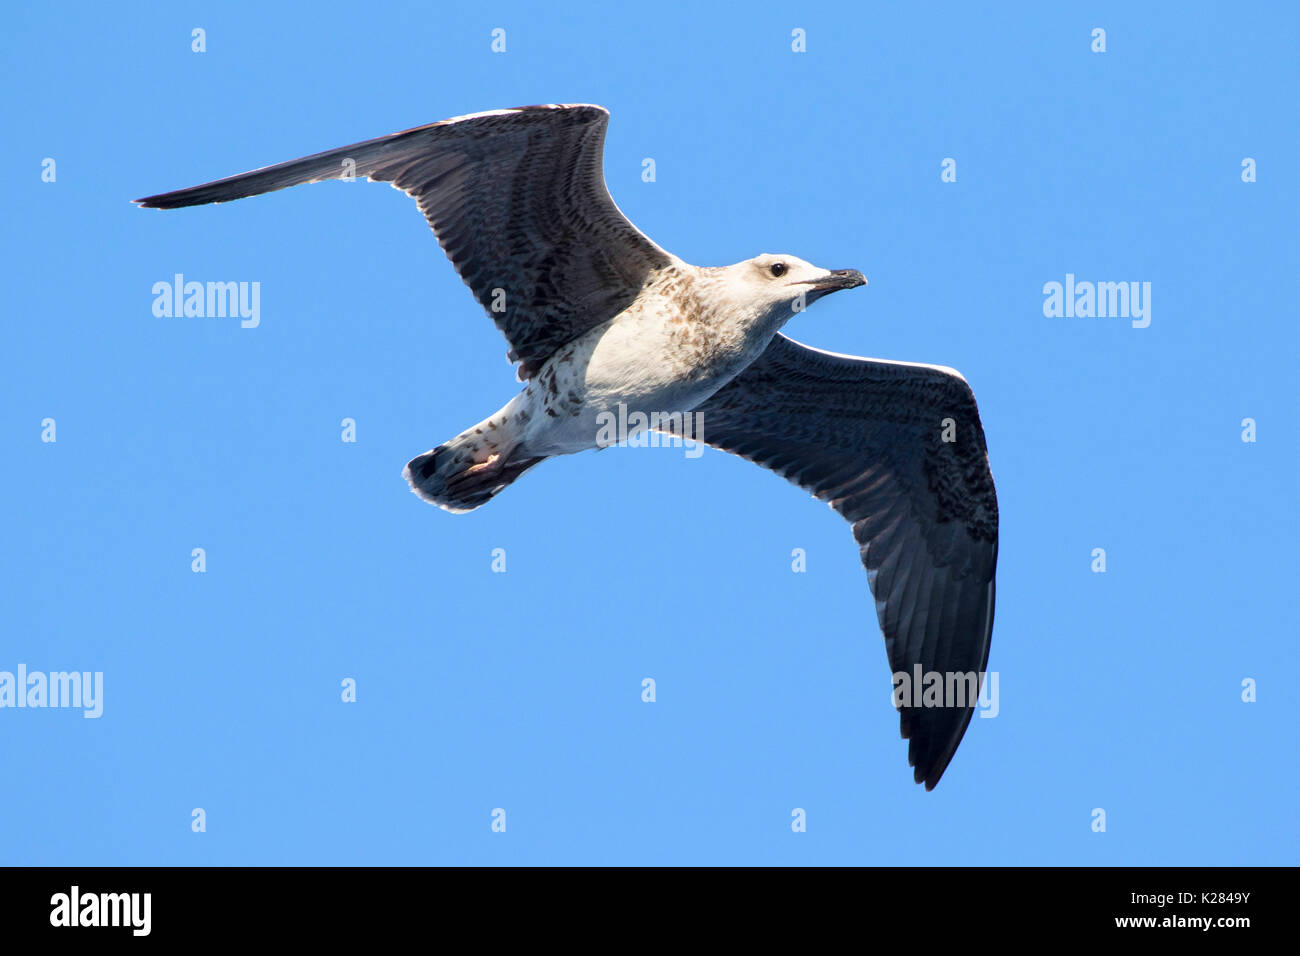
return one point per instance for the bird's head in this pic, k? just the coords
(783, 286)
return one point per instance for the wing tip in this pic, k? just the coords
(931, 775)
(213, 192)
(195, 196)
(929, 765)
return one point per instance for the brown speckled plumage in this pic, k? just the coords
(601, 318)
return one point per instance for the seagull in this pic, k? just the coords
(600, 319)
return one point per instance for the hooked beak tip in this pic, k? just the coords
(839, 279)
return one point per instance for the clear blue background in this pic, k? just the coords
(522, 690)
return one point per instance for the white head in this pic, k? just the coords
(777, 286)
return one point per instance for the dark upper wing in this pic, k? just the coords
(518, 202)
(867, 437)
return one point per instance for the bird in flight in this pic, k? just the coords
(601, 320)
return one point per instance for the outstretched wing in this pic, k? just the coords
(518, 202)
(898, 450)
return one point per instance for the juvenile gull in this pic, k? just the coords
(597, 316)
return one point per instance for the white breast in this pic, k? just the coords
(661, 355)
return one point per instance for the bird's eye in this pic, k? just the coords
(778, 269)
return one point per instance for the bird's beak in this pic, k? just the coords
(837, 279)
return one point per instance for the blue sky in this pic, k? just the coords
(479, 690)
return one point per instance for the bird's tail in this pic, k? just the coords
(466, 472)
